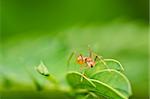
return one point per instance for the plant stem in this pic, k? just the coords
(52, 80)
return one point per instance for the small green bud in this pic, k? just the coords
(42, 69)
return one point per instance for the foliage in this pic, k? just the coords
(97, 82)
(27, 50)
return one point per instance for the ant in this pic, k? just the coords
(88, 61)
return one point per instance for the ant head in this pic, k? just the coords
(80, 59)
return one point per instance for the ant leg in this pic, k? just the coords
(101, 60)
(69, 59)
(90, 52)
(81, 67)
(82, 72)
(81, 79)
(84, 75)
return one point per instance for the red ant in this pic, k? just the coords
(85, 60)
(88, 60)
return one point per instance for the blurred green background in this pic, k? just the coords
(48, 30)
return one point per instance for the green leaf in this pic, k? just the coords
(111, 64)
(115, 79)
(78, 80)
(96, 86)
(90, 71)
(106, 90)
(114, 64)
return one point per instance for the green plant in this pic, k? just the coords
(96, 82)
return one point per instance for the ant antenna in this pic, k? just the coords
(90, 51)
(69, 59)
